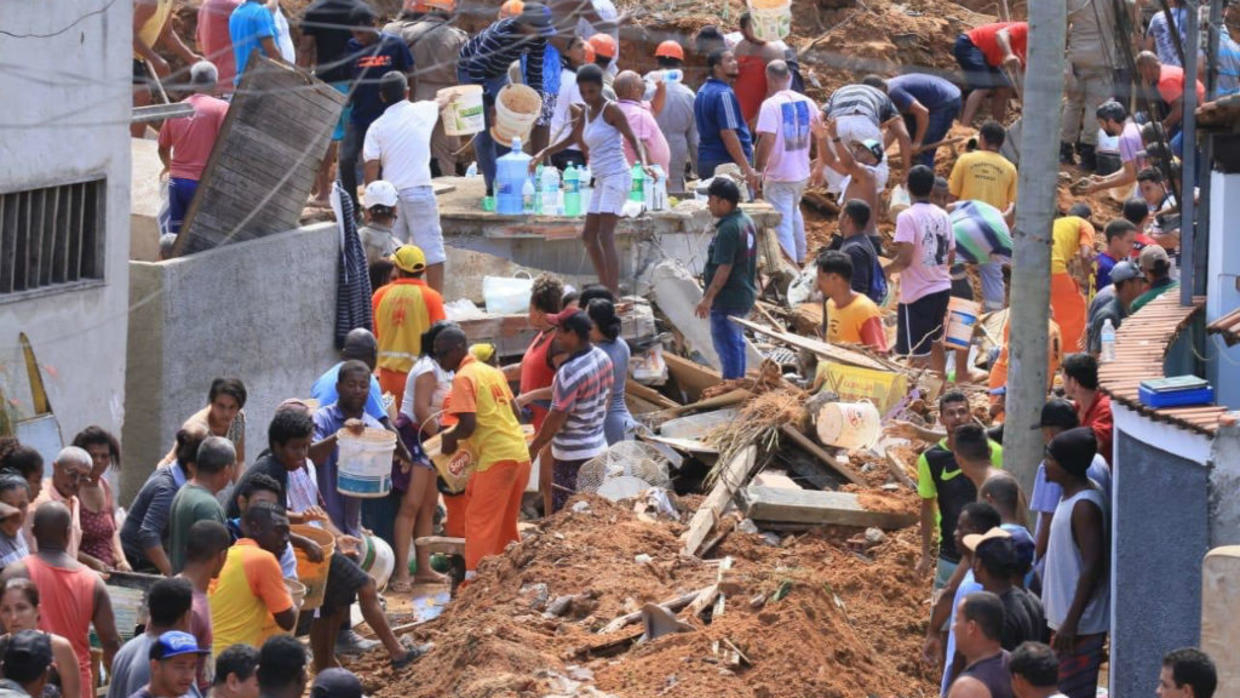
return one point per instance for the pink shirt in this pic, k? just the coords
(929, 230)
(788, 116)
(646, 130)
(214, 41)
(192, 137)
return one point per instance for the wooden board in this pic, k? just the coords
(265, 158)
(632, 387)
(817, 507)
(731, 478)
(823, 456)
(815, 346)
(691, 376)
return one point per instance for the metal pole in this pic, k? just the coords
(1188, 159)
(1031, 258)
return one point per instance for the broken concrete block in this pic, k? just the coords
(677, 294)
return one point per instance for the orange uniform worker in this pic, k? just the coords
(403, 310)
(999, 371)
(487, 427)
(1071, 236)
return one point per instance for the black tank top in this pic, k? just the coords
(993, 672)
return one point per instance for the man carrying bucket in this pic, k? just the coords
(1072, 242)
(487, 427)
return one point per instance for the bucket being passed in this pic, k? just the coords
(464, 115)
(772, 19)
(364, 465)
(961, 318)
(378, 560)
(313, 574)
(516, 109)
(849, 425)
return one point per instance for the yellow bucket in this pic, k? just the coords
(313, 574)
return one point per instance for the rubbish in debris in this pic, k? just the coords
(672, 605)
(747, 526)
(581, 507)
(782, 590)
(642, 558)
(658, 621)
(731, 478)
(816, 508)
(462, 309)
(539, 595)
(624, 470)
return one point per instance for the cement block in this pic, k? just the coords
(677, 293)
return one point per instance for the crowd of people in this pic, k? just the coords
(747, 130)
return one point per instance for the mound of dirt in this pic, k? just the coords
(811, 616)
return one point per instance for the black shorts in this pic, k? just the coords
(978, 74)
(961, 286)
(344, 578)
(141, 73)
(920, 323)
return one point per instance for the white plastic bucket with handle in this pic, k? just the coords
(516, 109)
(364, 463)
(961, 318)
(772, 19)
(849, 425)
(465, 115)
(378, 561)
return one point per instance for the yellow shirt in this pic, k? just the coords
(984, 175)
(859, 322)
(1067, 236)
(246, 596)
(154, 25)
(482, 389)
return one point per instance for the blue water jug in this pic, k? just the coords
(511, 171)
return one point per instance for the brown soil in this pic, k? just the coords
(848, 624)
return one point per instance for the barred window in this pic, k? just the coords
(51, 236)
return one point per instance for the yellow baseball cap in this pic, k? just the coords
(482, 351)
(409, 258)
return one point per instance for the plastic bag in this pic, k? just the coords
(507, 295)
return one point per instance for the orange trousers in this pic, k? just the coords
(1068, 306)
(393, 382)
(491, 514)
(455, 506)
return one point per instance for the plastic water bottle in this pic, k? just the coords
(637, 192)
(473, 169)
(549, 188)
(527, 196)
(511, 173)
(1108, 342)
(572, 191)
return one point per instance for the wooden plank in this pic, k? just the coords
(815, 346)
(728, 399)
(817, 451)
(817, 507)
(731, 478)
(691, 376)
(649, 394)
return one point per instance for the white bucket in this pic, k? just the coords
(364, 465)
(465, 115)
(898, 202)
(849, 425)
(516, 109)
(772, 19)
(961, 317)
(378, 560)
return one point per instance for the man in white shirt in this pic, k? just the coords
(398, 148)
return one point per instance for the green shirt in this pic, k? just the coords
(192, 504)
(1153, 292)
(735, 243)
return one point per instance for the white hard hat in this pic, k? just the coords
(380, 193)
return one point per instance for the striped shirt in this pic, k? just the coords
(581, 389)
(488, 55)
(861, 99)
(981, 233)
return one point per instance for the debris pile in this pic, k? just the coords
(817, 614)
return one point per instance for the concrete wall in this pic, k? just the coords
(262, 311)
(1224, 483)
(65, 120)
(1160, 534)
(1222, 292)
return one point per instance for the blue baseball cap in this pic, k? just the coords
(174, 643)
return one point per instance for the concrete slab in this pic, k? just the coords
(146, 197)
(677, 293)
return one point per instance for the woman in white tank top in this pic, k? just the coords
(597, 130)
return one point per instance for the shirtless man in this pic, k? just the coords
(849, 168)
(752, 55)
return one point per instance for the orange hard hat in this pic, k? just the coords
(603, 45)
(511, 8)
(588, 50)
(418, 6)
(670, 49)
(448, 6)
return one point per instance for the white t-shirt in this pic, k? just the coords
(400, 139)
(569, 95)
(443, 383)
(303, 490)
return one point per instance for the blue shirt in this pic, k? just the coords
(324, 390)
(715, 109)
(931, 90)
(345, 511)
(1103, 276)
(249, 24)
(370, 62)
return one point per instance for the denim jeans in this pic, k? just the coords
(940, 121)
(729, 341)
(785, 197)
(350, 156)
(485, 148)
(180, 194)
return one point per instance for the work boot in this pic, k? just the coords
(1065, 154)
(349, 642)
(1089, 159)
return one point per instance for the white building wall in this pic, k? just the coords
(66, 106)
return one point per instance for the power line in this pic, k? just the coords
(108, 5)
